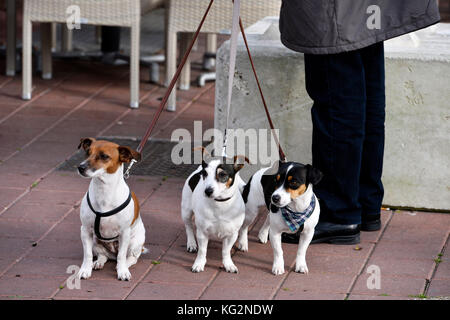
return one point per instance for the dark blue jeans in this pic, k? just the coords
(348, 117)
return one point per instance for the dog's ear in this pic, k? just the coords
(273, 168)
(313, 175)
(126, 154)
(239, 162)
(85, 143)
(205, 153)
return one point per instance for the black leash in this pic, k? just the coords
(99, 215)
(173, 82)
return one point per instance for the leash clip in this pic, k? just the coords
(126, 175)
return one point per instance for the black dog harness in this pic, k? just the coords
(99, 215)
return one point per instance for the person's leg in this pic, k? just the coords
(336, 84)
(110, 39)
(370, 186)
(110, 44)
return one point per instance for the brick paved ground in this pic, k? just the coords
(39, 209)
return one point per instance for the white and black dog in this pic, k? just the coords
(287, 192)
(212, 194)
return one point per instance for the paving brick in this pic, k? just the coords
(427, 250)
(52, 205)
(394, 286)
(97, 289)
(381, 296)
(443, 270)
(158, 291)
(177, 254)
(414, 268)
(40, 267)
(20, 177)
(318, 282)
(439, 288)
(167, 202)
(257, 263)
(73, 217)
(28, 287)
(7, 108)
(334, 264)
(359, 251)
(143, 186)
(420, 220)
(14, 246)
(159, 229)
(414, 236)
(64, 181)
(65, 232)
(6, 262)
(179, 274)
(15, 228)
(27, 212)
(46, 152)
(8, 195)
(306, 295)
(236, 293)
(250, 278)
(56, 249)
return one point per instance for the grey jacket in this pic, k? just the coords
(333, 26)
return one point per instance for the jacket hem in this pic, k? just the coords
(363, 43)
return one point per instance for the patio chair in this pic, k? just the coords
(185, 15)
(123, 13)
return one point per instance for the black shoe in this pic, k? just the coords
(327, 232)
(371, 223)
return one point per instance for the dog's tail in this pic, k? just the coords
(145, 250)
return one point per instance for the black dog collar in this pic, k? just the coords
(222, 200)
(99, 215)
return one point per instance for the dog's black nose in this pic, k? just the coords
(276, 198)
(82, 168)
(209, 191)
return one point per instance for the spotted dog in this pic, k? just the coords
(211, 194)
(286, 189)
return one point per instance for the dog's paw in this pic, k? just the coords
(230, 267)
(84, 272)
(123, 274)
(278, 269)
(301, 268)
(192, 247)
(243, 246)
(98, 265)
(198, 267)
(263, 237)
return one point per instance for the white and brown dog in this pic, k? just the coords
(286, 189)
(212, 194)
(111, 227)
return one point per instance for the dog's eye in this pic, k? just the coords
(104, 157)
(204, 173)
(294, 185)
(223, 175)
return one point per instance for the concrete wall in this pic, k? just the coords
(416, 166)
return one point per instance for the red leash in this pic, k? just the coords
(172, 83)
(175, 79)
(275, 136)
